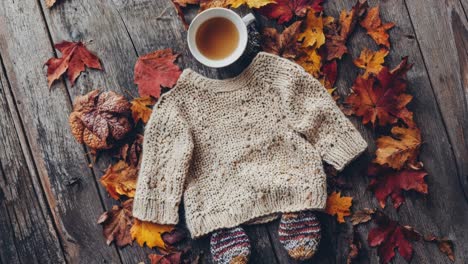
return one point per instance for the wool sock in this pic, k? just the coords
(299, 233)
(230, 246)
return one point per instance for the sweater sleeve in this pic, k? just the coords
(315, 114)
(167, 149)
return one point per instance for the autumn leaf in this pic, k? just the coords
(173, 237)
(387, 182)
(100, 118)
(117, 223)
(355, 246)
(130, 152)
(206, 4)
(149, 233)
(445, 245)
(154, 70)
(399, 149)
(75, 57)
(378, 31)
(337, 33)
(312, 33)
(170, 258)
(140, 109)
(284, 10)
(120, 179)
(50, 3)
(339, 205)
(184, 3)
(310, 61)
(330, 73)
(390, 235)
(382, 97)
(362, 216)
(284, 44)
(250, 3)
(371, 61)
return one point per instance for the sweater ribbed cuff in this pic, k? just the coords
(156, 211)
(345, 149)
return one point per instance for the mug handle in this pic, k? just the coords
(248, 19)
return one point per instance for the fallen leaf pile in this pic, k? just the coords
(316, 41)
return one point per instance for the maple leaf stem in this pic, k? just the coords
(161, 15)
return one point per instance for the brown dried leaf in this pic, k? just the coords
(120, 179)
(284, 44)
(117, 223)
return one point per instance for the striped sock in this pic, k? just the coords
(230, 246)
(299, 233)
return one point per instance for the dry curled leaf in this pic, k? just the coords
(120, 179)
(387, 182)
(75, 57)
(156, 70)
(399, 149)
(355, 246)
(140, 108)
(378, 31)
(206, 4)
(170, 258)
(100, 118)
(312, 32)
(389, 236)
(149, 233)
(284, 44)
(339, 205)
(371, 61)
(445, 245)
(284, 10)
(117, 223)
(131, 151)
(173, 237)
(362, 216)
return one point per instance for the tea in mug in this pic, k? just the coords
(217, 38)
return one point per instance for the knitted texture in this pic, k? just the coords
(299, 233)
(241, 148)
(230, 246)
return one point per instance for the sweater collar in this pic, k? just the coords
(252, 74)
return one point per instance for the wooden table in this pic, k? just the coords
(50, 198)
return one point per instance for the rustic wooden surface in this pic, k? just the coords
(50, 198)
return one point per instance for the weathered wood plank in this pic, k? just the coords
(26, 223)
(441, 30)
(68, 185)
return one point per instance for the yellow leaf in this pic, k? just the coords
(313, 31)
(149, 233)
(206, 4)
(140, 109)
(251, 3)
(50, 3)
(339, 205)
(120, 179)
(311, 62)
(371, 61)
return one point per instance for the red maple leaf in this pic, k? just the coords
(284, 10)
(75, 57)
(382, 97)
(154, 70)
(390, 235)
(388, 182)
(330, 73)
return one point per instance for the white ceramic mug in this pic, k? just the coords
(241, 24)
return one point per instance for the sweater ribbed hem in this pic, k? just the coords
(345, 149)
(155, 211)
(298, 200)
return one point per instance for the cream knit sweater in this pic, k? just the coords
(242, 148)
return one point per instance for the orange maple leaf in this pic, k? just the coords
(149, 233)
(284, 44)
(371, 61)
(75, 57)
(250, 3)
(378, 31)
(120, 179)
(312, 34)
(400, 149)
(339, 205)
(310, 61)
(154, 70)
(140, 109)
